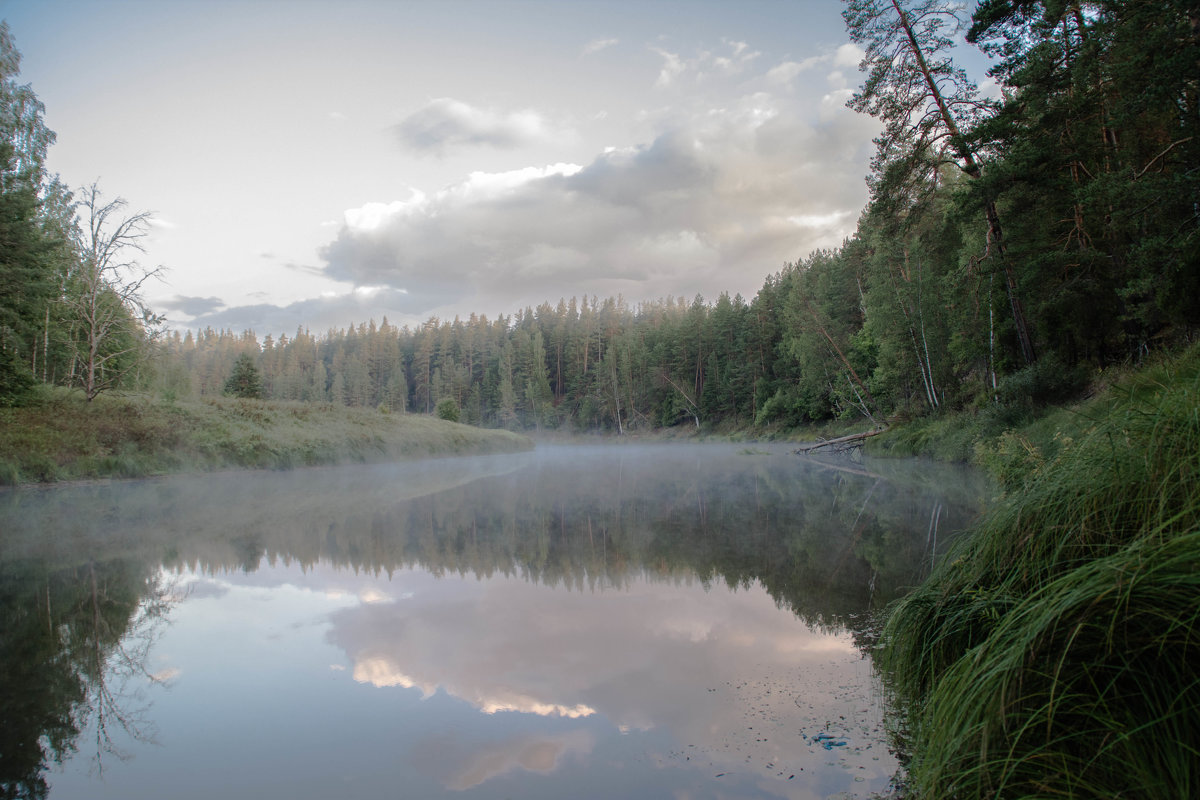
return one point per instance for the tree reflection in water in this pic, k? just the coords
(83, 597)
(73, 653)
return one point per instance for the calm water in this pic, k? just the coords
(580, 622)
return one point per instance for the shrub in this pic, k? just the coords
(447, 409)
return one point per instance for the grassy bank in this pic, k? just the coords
(62, 437)
(1055, 652)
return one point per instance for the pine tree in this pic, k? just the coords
(245, 381)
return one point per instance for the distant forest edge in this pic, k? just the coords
(1010, 249)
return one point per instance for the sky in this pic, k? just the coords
(321, 164)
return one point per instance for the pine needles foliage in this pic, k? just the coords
(1055, 651)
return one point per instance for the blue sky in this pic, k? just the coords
(320, 163)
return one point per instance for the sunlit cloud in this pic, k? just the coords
(510, 647)
(378, 672)
(712, 197)
(165, 675)
(373, 595)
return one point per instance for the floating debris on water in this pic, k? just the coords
(828, 741)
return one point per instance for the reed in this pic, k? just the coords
(1054, 651)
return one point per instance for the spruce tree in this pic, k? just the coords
(245, 382)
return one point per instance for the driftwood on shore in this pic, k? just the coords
(840, 444)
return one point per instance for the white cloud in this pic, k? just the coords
(704, 64)
(848, 55)
(596, 45)
(788, 70)
(672, 68)
(192, 306)
(446, 124)
(709, 201)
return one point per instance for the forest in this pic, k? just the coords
(1013, 246)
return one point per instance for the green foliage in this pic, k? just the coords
(1055, 645)
(1048, 382)
(447, 409)
(15, 380)
(245, 381)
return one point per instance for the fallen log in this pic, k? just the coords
(841, 443)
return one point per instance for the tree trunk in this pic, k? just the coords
(971, 166)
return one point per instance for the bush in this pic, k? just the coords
(1046, 382)
(16, 382)
(447, 409)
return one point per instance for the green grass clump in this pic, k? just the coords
(1054, 651)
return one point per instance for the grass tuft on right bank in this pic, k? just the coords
(1055, 651)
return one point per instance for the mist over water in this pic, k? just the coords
(579, 621)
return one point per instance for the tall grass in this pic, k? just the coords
(1055, 651)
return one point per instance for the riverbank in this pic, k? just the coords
(1053, 651)
(62, 437)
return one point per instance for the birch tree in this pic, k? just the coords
(112, 324)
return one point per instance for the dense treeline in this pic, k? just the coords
(1010, 247)
(71, 308)
(590, 364)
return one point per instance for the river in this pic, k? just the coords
(599, 621)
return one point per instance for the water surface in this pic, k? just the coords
(586, 622)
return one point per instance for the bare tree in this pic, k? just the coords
(112, 325)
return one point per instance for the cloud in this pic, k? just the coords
(596, 45)
(848, 55)
(710, 204)
(192, 306)
(540, 754)
(446, 124)
(589, 663)
(672, 67)
(788, 70)
(705, 63)
(321, 313)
